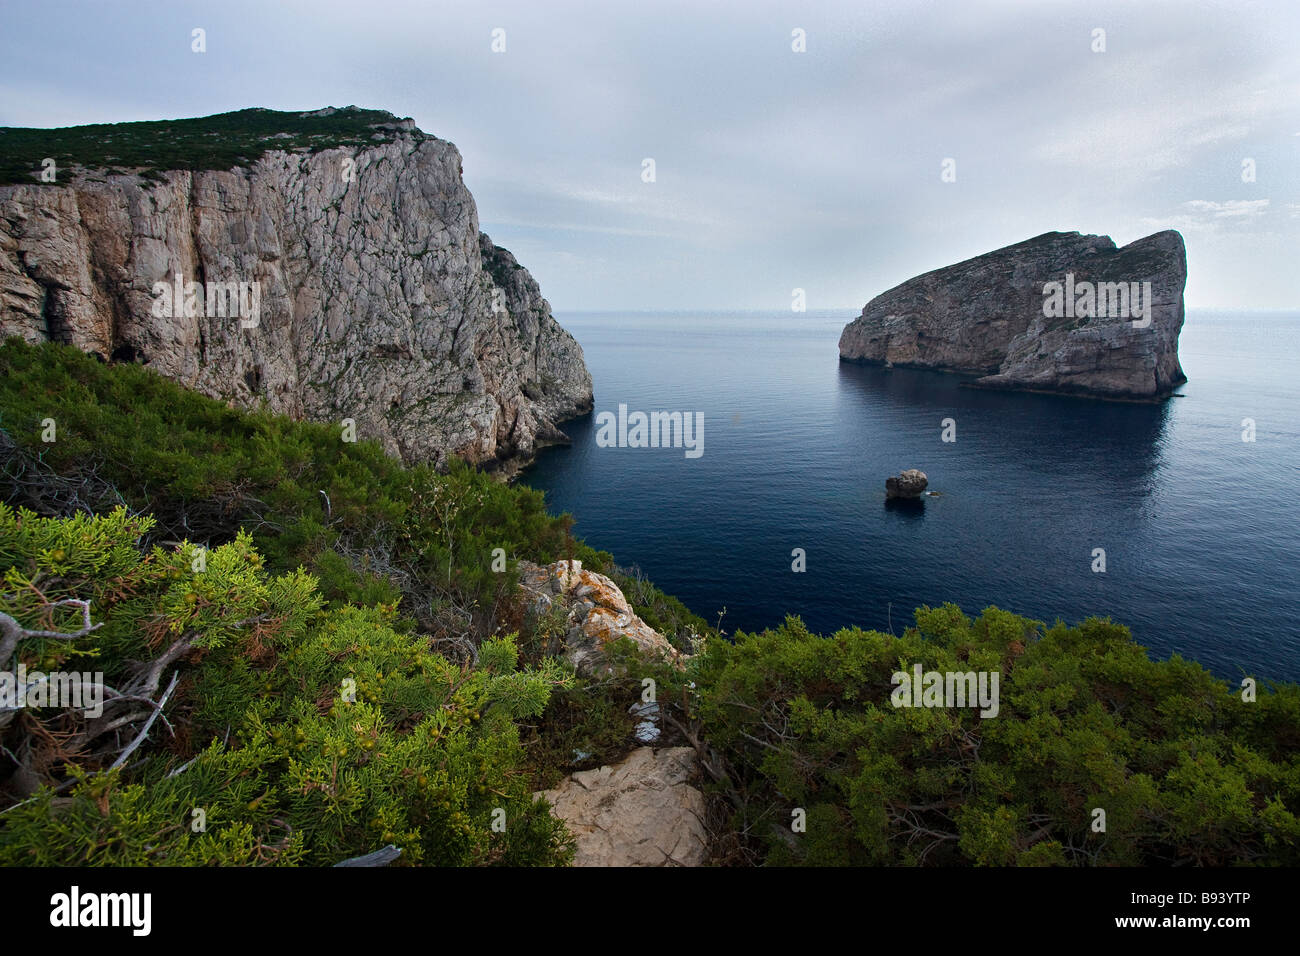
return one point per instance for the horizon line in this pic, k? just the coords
(858, 309)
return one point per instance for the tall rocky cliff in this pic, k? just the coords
(1062, 312)
(378, 298)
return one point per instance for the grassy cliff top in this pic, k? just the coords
(222, 141)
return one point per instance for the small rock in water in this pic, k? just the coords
(907, 484)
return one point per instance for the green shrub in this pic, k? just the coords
(301, 735)
(1185, 770)
(367, 527)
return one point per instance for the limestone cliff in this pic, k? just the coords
(1062, 312)
(378, 299)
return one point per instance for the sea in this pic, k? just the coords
(1179, 520)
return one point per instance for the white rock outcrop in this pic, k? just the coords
(641, 811)
(595, 611)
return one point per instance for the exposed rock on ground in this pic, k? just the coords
(595, 613)
(987, 316)
(380, 300)
(641, 811)
(907, 484)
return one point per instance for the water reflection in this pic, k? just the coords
(908, 508)
(1116, 443)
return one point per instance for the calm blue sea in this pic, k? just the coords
(1200, 529)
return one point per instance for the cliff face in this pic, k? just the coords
(377, 298)
(1046, 314)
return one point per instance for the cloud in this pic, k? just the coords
(1231, 209)
(1207, 218)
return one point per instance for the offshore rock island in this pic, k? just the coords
(378, 298)
(1062, 312)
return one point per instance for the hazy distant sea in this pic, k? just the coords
(1200, 529)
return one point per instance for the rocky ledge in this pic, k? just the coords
(377, 298)
(1062, 312)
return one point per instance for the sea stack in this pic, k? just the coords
(1062, 312)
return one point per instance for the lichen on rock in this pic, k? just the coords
(594, 611)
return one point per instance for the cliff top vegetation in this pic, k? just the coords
(221, 141)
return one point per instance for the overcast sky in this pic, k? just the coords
(774, 169)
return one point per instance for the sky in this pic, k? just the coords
(775, 169)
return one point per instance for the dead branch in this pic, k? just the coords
(149, 723)
(13, 632)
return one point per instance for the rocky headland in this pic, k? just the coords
(377, 297)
